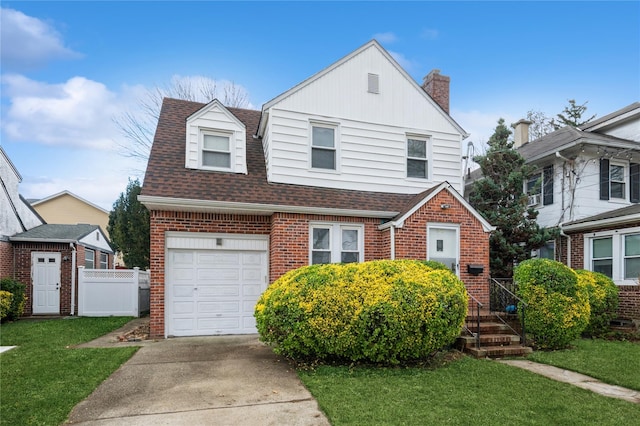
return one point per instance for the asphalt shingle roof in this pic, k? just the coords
(167, 176)
(58, 232)
(613, 214)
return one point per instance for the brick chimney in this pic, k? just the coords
(437, 86)
(520, 132)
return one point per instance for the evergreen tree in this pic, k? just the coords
(572, 115)
(501, 199)
(129, 227)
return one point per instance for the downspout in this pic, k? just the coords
(392, 237)
(73, 278)
(568, 244)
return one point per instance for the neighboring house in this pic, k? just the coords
(587, 184)
(356, 163)
(47, 257)
(68, 208)
(16, 215)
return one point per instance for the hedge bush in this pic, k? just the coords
(17, 289)
(382, 311)
(5, 303)
(603, 299)
(558, 304)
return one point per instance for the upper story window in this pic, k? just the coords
(417, 157)
(540, 187)
(336, 243)
(324, 146)
(615, 178)
(89, 258)
(373, 83)
(216, 150)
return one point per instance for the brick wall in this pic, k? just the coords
(411, 240)
(6, 259)
(165, 221)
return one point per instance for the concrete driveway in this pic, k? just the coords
(223, 380)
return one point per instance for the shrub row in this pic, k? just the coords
(17, 300)
(563, 304)
(382, 311)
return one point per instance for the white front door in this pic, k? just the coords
(45, 274)
(443, 246)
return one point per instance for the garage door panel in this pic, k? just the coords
(219, 291)
(180, 308)
(214, 291)
(217, 275)
(221, 307)
(218, 258)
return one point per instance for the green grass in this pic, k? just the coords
(613, 362)
(43, 379)
(463, 392)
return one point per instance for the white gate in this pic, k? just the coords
(112, 292)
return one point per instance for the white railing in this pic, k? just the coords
(112, 292)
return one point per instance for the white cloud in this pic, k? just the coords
(28, 42)
(75, 113)
(429, 34)
(386, 38)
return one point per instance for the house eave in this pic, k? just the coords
(194, 205)
(42, 240)
(614, 221)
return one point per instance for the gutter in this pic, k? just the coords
(568, 244)
(73, 278)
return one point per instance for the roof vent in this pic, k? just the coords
(373, 83)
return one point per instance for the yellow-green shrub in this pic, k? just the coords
(17, 289)
(558, 304)
(5, 303)
(381, 311)
(603, 299)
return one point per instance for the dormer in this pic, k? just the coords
(216, 140)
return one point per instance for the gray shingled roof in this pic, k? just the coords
(56, 232)
(613, 214)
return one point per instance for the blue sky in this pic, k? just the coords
(67, 68)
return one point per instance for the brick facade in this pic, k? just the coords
(289, 242)
(629, 295)
(6, 259)
(23, 268)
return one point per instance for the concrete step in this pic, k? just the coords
(499, 351)
(489, 340)
(489, 328)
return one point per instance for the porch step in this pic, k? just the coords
(489, 327)
(499, 351)
(489, 340)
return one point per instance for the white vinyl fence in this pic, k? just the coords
(112, 292)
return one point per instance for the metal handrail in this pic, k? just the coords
(521, 305)
(479, 305)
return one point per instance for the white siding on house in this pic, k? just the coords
(215, 117)
(372, 130)
(96, 239)
(629, 130)
(10, 223)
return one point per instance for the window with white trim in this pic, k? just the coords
(216, 150)
(89, 258)
(104, 261)
(417, 157)
(615, 254)
(547, 251)
(324, 146)
(616, 181)
(631, 256)
(336, 243)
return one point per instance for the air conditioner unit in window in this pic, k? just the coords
(534, 200)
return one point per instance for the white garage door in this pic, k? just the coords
(212, 292)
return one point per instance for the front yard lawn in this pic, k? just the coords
(613, 362)
(43, 379)
(463, 392)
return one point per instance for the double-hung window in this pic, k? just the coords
(104, 261)
(631, 257)
(417, 157)
(216, 150)
(616, 254)
(534, 189)
(323, 146)
(89, 258)
(616, 180)
(336, 243)
(540, 187)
